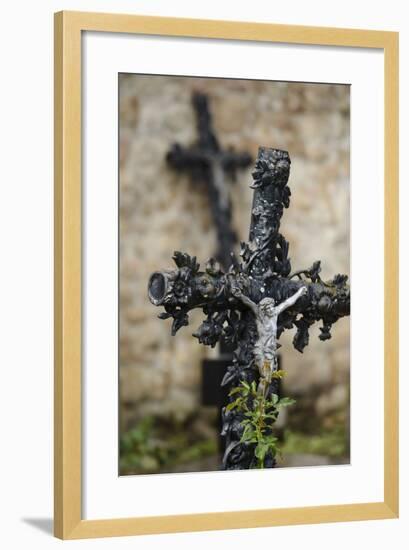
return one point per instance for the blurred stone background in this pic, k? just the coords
(161, 211)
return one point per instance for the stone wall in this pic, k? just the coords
(161, 211)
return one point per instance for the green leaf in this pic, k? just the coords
(270, 439)
(286, 402)
(273, 416)
(233, 404)
(261, 451)
(248, 434)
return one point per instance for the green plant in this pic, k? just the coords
(259, 414)
(331, 442)
(155, 444)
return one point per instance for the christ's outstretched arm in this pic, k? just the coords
(249, 303)
(237, 293)
(291, 300)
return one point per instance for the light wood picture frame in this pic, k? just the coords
(68, 520)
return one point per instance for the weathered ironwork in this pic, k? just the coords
(252, 303)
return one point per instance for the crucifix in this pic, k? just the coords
(209, 164)
(252, 303)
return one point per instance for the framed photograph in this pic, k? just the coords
(240, 181)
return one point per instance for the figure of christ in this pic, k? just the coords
(265, 349)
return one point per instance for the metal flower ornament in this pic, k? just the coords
(250, 306)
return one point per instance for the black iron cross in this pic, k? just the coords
(263, 272)
(208, 163)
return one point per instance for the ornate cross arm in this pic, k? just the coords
(186, 287)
